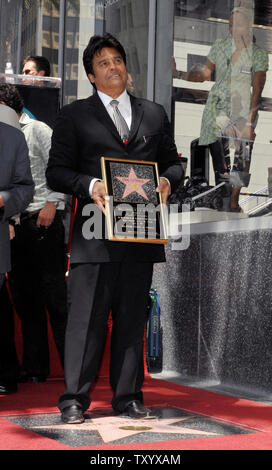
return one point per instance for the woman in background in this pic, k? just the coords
(232, 106)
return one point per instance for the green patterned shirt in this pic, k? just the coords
(230, 96)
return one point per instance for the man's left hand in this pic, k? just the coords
(46, 215)
(164, 189)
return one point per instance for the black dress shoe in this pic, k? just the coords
(72, 415)
(8, 387)
(136, 410)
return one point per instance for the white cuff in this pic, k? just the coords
(94, 180)
(163, 177)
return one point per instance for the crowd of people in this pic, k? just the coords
(36, 283)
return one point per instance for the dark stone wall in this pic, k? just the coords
(216, 308)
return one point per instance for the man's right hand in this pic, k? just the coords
(46, 215)
(99, 195)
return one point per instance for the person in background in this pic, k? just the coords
(40, 66)
(16, 193)
(37, 278)
(36, 65)
(231, 111)
(107, 275)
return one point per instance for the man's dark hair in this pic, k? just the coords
(41, 63)
(95, 46)
(11, 97)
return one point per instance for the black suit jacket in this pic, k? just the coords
(16, 184)
(83, 133)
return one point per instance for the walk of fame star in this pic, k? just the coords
(102, 427)
(113, 428)
(133, 184)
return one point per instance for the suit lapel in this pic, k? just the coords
(102, 115)
(137, 114)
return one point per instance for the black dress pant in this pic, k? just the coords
(37, 282)
(9, 364)
(93, 291)
(2, 279)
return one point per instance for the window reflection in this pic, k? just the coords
(222, 94)
(128, 21)
(34, 29)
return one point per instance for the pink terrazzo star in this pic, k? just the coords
(112, 428)
(133, 184)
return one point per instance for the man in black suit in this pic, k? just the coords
(16, 192)
(106, 275)
(16, 186)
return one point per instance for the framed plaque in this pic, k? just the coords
(134, 211)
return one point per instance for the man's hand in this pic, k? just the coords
(11, 232)
(1, 201)
(46, 215)
(99, 195)
(164, 189)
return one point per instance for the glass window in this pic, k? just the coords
(19, 32)
(222, 97)
(44, 28)
(82, 19)
(128, 21)
(33, 29)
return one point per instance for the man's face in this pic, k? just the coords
(110, 74)
(30, 68)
